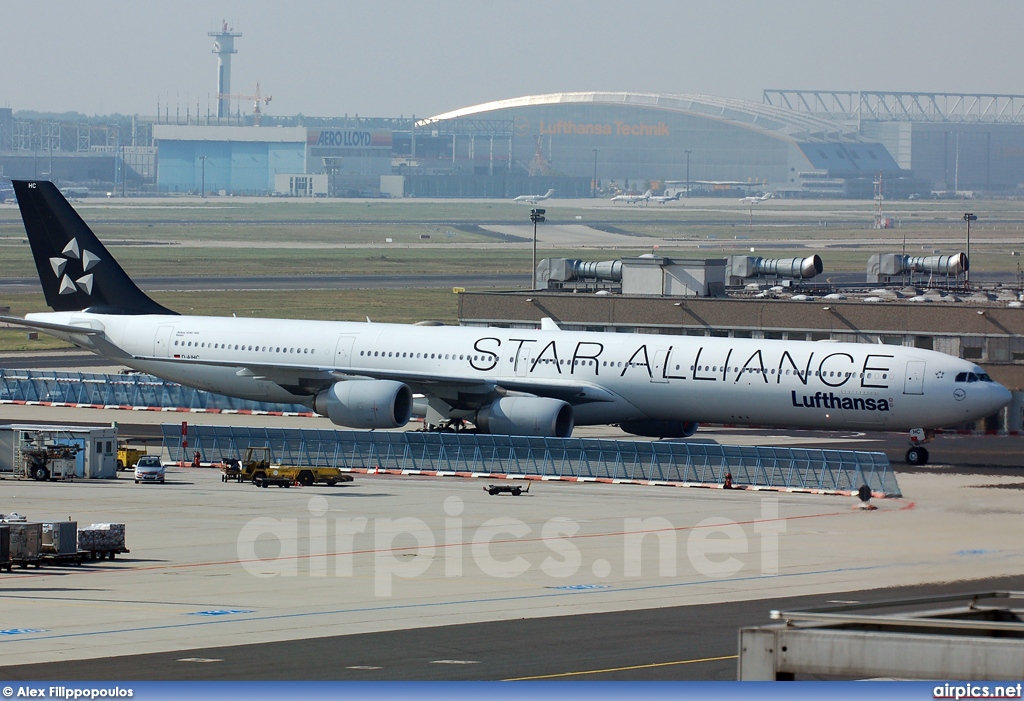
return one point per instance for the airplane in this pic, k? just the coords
(662, 199)
(756, 200)
(534, 199)
(633, 199)
(534, 382)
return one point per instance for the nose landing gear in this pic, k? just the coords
(917, 454)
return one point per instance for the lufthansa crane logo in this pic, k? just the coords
(60, 268)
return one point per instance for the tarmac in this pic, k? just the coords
(215, 564)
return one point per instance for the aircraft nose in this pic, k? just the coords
(1001, 397)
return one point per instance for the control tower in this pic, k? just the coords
(224, 46)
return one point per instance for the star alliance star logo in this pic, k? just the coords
(60, 264)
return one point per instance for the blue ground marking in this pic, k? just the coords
(220, 612)
(21, 631)
(582, 587)
(400, 607)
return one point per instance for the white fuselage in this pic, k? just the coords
(633, 376)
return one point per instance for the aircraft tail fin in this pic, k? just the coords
(75, 270)
(549, 193)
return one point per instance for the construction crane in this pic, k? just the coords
(256, 100)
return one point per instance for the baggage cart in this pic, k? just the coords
(102, 540)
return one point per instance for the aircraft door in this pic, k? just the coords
(658, 368)
(162, 342)
(522, 361)
(915, 377)
(343, 352)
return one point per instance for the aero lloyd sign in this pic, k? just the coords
(348, 138)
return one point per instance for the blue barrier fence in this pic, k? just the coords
(135, 390)
(578, 458)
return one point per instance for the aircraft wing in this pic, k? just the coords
(290, 377)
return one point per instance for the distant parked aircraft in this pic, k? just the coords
(757, 200)
(662, 199)
(633, 199)
(534, 199)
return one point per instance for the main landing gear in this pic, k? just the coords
(917, 454)
(449, 426)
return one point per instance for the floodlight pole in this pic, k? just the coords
(536, 216)
(968, 217)
(202, 192)
(593, 186)
(688, 151)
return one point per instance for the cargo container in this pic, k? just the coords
(60, 538)
(26, 541)
(5, 548)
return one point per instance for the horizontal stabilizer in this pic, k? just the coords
(46, 326)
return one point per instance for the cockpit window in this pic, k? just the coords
(973, 377)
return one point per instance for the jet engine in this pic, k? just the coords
(366, 404)
(526, 416)
(660, 429)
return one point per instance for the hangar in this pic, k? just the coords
(713, 144)
(236, 160)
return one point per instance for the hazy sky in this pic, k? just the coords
(390, 58)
